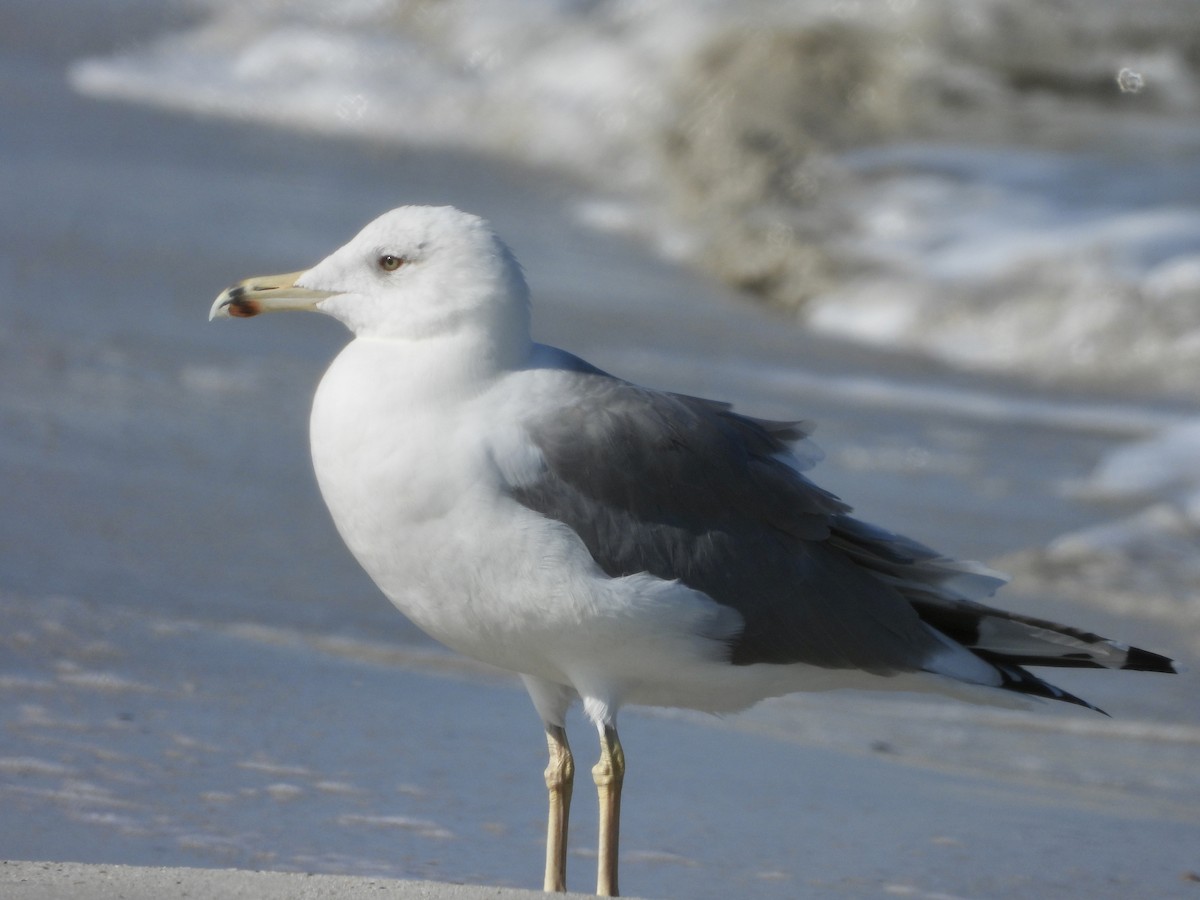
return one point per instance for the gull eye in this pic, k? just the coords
(390, 263)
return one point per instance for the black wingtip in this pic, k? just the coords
(1021, 681)
(1139, 660)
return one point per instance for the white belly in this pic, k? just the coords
(416, 491)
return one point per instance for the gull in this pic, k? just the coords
(610, 543)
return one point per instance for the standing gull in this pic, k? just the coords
(611, 543)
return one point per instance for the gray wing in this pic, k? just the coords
(686, 489)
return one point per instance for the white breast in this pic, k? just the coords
(410, 475)
(414, 470)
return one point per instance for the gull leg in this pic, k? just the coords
(560, 776)
(609, 774)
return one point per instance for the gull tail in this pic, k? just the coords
(945, 593)
(1009, 642)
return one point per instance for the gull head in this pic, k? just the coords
(415, 272)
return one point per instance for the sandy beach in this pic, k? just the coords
(53, 881)
(196, 677)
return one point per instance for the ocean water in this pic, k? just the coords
(195, 672)
(1014, 192)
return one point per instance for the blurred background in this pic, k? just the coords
(962, 237)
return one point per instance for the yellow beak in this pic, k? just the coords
(265, 293)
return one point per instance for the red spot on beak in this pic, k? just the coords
(243, 308)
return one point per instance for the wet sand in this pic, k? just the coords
(54, 881)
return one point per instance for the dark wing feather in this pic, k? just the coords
(686, 489)
(944, 592)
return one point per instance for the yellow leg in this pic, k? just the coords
(609, 774)
(560, 776)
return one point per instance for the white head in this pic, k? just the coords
(416, 272)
